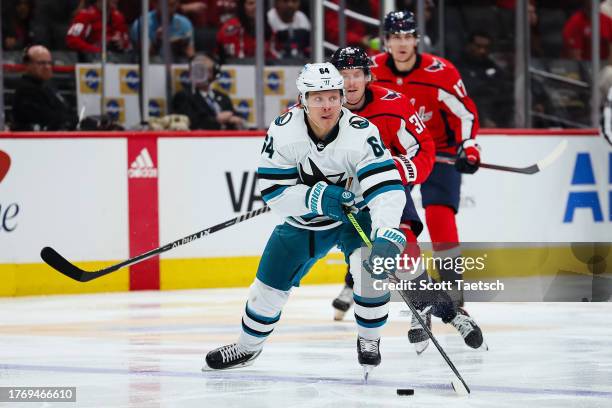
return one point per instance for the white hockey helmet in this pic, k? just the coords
(318, 77)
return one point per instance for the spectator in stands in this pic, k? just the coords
(207, 16)
(16, 25)
(206, 108)
(357, 32)
(489, 85)
(290, 28)
(181, 33)
(211, 13)
(50, 22)
(131, 10)
(36, 104)
(236, 38)
(85, 32)
(577, 34)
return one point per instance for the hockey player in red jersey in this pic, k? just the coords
(438, 94)
(412, 148)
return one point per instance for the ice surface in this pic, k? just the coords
(145, 349)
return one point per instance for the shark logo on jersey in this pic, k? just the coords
(358, 122)
(283, 119)
(317, 175)
(391, 95)
(435, 66)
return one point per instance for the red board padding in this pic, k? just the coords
(143, 211)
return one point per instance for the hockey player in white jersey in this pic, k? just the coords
(318, 161)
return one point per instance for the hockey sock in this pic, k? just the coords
(261, 314)
(371, 305)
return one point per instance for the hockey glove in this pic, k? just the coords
(468, 157)
(388, 243)
(329, 200)
(406, 168)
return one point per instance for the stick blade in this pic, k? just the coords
(553, 156)
(62, 265)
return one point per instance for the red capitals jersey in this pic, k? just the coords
(85, 32)
(401, 129)
(437, 93)
(233, 41)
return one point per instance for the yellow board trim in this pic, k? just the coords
(41, 279)
(237, 272)
(224, 272)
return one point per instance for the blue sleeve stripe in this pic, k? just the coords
(278, 190)
(360, 204)
(383, 189)
(375, 166)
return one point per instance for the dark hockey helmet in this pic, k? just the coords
(351, 57)
(402, 22)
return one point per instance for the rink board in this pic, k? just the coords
(92, 198)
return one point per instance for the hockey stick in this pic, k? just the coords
(415, 313)
(63, 266)
(533, 169)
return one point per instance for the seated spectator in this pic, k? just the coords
(206, 108)
(490, 86)
(16, 25)
(291, 30)
(236, 37)
(85, 32)
(181, 33)
(577, 34)
(36, 104)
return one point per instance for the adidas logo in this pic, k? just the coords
(143, 166)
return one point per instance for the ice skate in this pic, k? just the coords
(417, 335)
(368, 354)
(469, 330)
(231, 356)
(342, 303)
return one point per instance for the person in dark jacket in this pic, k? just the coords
(36, 104)
(489, 85)
(206, 108)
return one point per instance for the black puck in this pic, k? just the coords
(405, 391)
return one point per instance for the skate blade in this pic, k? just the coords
(339, 315)
(207, 368)
(421, 346)
(367, 369)
(483, 347)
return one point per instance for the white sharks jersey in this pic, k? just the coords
(352, 157)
